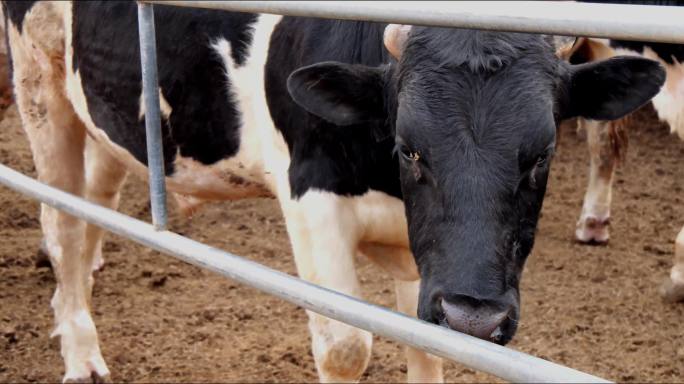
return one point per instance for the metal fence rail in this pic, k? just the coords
(629, 22)
(475, 353)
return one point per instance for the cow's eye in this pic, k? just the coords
(539, 166)
(407, 153)
(542, 160)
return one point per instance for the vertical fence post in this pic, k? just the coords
(155, 155)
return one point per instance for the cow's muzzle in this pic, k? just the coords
(485, 319)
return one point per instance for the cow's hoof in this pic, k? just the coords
(593, 231)
(94, 378)
(93, 370)
(671, 292)
(345, 362)
(42, 256)
(79, 346)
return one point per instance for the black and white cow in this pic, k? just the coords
(607, 139)
(429, 154)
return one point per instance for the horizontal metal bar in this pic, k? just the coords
(628, 22)
(475, 353)
(153, 134)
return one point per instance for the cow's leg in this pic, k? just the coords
(324, 235)
(385, 242)
(422, 367)
(399, 262)
(57, 139)
(607, 141)
(104, 177)
(672, 289)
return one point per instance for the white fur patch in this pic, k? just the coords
(263, 153)
(669, 102)
(164, 106)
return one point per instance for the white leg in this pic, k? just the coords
(672, 289)
(104, 178)
(605, 140)
(57, 141)
(422, 367)
(324, 235)
(385, 242)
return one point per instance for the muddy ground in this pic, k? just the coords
(159, 320)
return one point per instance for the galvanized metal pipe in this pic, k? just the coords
(628, 22)
(475, 353)
(155, 151)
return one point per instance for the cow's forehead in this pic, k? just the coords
(454, 67)
(442, 95)
(512, 114)
(478, 51)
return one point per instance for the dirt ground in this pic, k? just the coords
(159, 320)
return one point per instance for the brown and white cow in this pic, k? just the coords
(608, 141)
(428, 153)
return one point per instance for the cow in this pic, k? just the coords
(426, 149)
(608, 142)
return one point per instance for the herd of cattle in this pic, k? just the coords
(426, 149)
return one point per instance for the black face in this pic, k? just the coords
(474, 138)
(474, 117)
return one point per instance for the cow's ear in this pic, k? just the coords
(343, 94)
(610, 89)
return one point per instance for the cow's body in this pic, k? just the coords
(237, 122)
(607, 143)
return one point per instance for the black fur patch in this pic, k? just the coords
(17, 10)
(668, 52)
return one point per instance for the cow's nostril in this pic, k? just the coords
(482, 321)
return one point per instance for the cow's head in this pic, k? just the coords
(474, 117)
